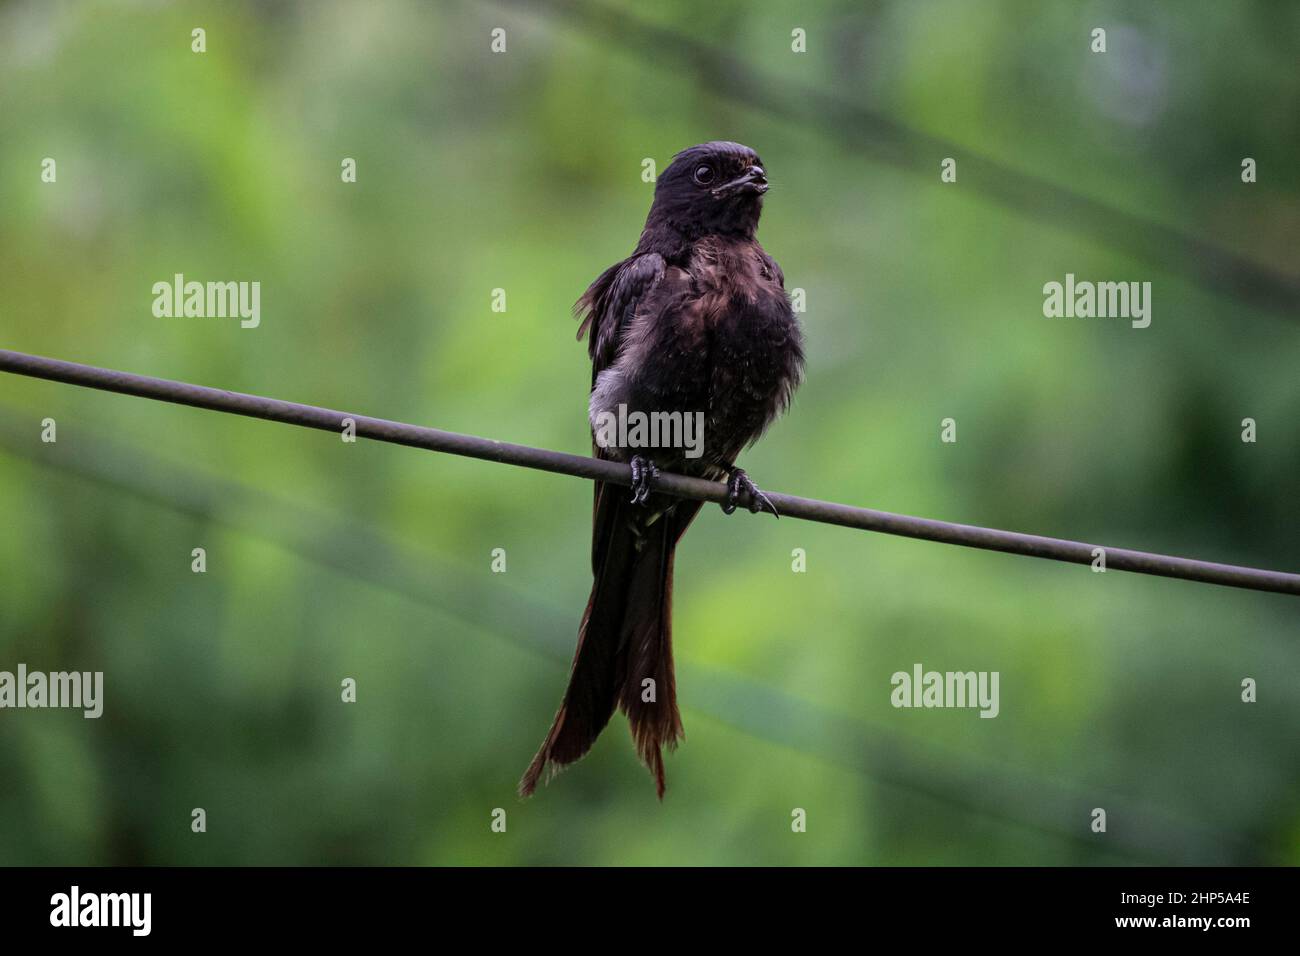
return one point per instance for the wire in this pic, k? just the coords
(580, 466)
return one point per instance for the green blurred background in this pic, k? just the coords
(523, 171)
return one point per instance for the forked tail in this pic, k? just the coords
(624, 657)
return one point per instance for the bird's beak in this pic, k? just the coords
(753, 180)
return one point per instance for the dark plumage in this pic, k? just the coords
(695, 320)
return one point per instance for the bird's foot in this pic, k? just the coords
(737, 482)
(644, 474)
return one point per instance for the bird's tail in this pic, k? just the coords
(624, 656)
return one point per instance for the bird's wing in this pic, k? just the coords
(609, 303)
(607, 308)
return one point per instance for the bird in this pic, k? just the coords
(697, 321)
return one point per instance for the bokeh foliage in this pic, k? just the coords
(522, 171)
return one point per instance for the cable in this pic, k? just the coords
(580, 466)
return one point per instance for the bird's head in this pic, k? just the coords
(711, 188)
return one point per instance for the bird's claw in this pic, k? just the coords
(737, 482)
(644, 474)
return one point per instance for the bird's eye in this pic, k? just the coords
(704, 174)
